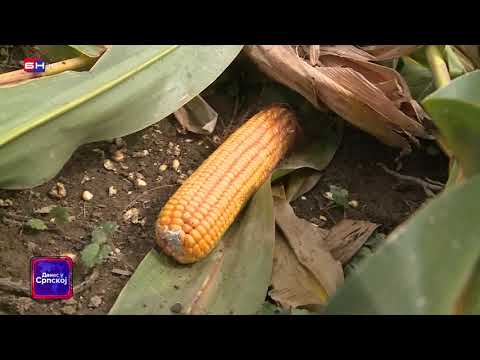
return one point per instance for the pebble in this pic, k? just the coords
(323, 218)
(140, 182)
(87, 195)
(118, 156)
(163, 167)
(85, 179)
(95, 301)
(175, 164)
(176, 308)
(328, 195)
(109, 165)
(353, 203)
(112, 191)
(303, 197)
(176, 151)
(6, 202)
(58, 191)
(74, 259)
(117, 251)
(131, 214)
(140, 154)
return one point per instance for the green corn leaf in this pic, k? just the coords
(428, 265)
(455, 109)
(43, 121)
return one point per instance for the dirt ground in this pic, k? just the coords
(382, 198)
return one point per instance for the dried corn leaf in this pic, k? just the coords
(347, 237)
(197, 116)
(361, 92)
(293, 284)
(306, 244)
(472, 52)
(387, 52)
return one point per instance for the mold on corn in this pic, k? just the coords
(194, 219)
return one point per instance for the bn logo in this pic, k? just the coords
(34, 65)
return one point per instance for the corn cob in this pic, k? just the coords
(194, 219)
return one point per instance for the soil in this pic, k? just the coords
(382, 199)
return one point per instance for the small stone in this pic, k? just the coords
(95, 301)
(87, 195)
(131, 214)
(112, 190)
(131, 176)
(175, 164)
(85, 179)
(353, 203)
(6, 202)
(176, 150)
(140, 154)
(188, 140)
(323, 218)
(328, 195)
(51, 242)
(118, 156)
(176, 308)
(68, 310)
(303, 197)
(58, 191)
(117, 251)
(140, 183)
(163, 167)
(71, 256)
(216, 139)
(109, 165)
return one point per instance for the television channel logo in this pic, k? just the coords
(35, 65)
(51, 277)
